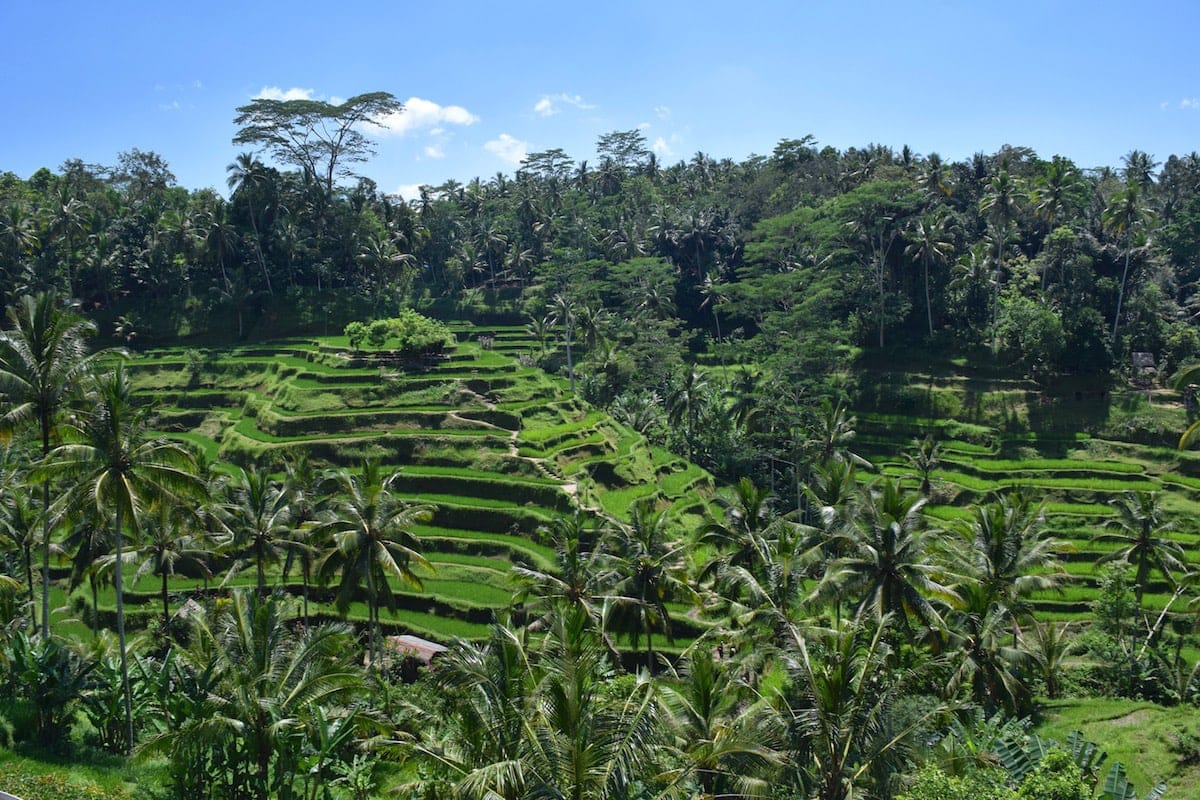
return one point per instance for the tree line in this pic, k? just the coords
(790, 264)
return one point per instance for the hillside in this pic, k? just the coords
(498, 449)
(1074, 446)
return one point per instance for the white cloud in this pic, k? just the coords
(275, 93)
(641, 126)
(551, 104)
(1190, 103)
(196, 84)
(661, 147)
(662, 112)
(409, 191)
(419, 113)
(171, 106)
(435, 151)
(508, 148)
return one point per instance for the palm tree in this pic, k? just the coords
(1139, 168)
(19, 519)
(539, 329)
(924, 458)
(370, 529)
(580, 745)
(267, 685)
(1140, 521)
(686, 403)
(116, 467)
(246, 174)
(740, 535)
(647, 568)
(1008, 552)
(993, 669)
(713, 296)
(169, 544)
(1048, 647)
(43, 354)
(258, 516)
(727, 744)
(1122, 216)
(563, 313)
(300, 543)
(890, 566)
(929, 242)
(89, 542)
(833, 435)
(582, 573)
(1055, 192)
(1000, 204)
(489, 691)
(843, 711)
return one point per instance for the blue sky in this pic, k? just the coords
(486, 82)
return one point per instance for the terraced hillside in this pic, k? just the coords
(496, 447)
(1074, 447)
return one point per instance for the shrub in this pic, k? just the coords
(17, 780)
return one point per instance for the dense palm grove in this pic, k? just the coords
(853, 647)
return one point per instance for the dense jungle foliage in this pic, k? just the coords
(852, 645)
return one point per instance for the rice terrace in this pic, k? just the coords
(401, 452)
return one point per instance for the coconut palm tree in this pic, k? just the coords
(117, 467)
(582, 574)
(727, 741)
(890, 565)
(1000, 204)
(267, 684)
(489, 689)
(977, 631)
(43, 355)
(929, 242)
(647, 568)
(1056, 192)
(247, 174)
(89, 543)
(562, 311)
(1140, 522)
(581, 745)
(842, 706)
(258, 517)
(19, 523)
(1123, 215)
(302, 484)
(1007, 551)
(687, 401)
(370, 531)
(170, 544)
(740, 535)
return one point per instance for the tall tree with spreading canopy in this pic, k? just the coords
(320, 138)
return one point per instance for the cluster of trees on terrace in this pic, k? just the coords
(866, 652)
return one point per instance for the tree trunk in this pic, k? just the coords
(166, 605)
(29, 586)
(45, 542)
(1121, 294)
(928, 307)
(128, 698)
(95, 607)
(570, 364)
